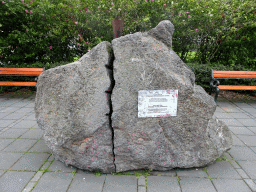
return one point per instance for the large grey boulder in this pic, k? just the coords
(71, 106)
(145, 61)
(73, 101)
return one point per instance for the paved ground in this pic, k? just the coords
(26, 164)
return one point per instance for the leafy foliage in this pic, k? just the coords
(44, 33)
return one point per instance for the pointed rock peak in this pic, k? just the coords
(163, 32)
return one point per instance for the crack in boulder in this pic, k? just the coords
(109, 68)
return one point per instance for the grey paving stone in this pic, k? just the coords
(25, 124)
(8, 159)
(223, 116)
(30, 162)
(171, 173)
(21, 104)
(141, 189)
(1, 172)
(4, 143)
(225, 104)
(232, 122)
(6, 123)
(253, 104)
(228, 185)
(120, 183)
(33, 134)
(243, 105)
(253, 129)
(247, 122)
(250, 110)
(61, 167)
(248, 140)
(14, 116)
(240, 115)
(30, 116)
(13, 133)
(33, 181)
(162, 183)
(90, 183)
(20, 145)
(251, 184)
(141, 180)
(40, 147)
(46, 165)
(234, 164)
(13, 181)
(226, 156)
(242, 153)
(5, 103)
(35, 126)
(32, 105)
(196, 184)
(242, 173)
(51, 158)
(222, 169)
(2, 115)
(237, 141)
(219, 110)
(231, 109)
(53, 182)
(29, 186)
(241, 130)
(37, 176)
(249, 167)
(24, 110)
(254, 149)
(194, 172)
(8, 109)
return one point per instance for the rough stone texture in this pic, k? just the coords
(71, 107)
(72, 102)
(145, 61)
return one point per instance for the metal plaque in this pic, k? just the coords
(157, 103)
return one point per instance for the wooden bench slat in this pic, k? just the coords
(235, 72)
(13, 83)
(236, 87)
(28, 73)
(21, 71)
(233, 76)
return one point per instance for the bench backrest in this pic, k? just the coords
(21, 71)
(234, 74)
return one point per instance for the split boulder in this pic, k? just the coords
(89, 109)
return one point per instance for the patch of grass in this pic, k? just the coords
(209, 177)
(145, 173)
(228, 160)
(74, 173)
(98, 173)
(204, 169)
(57, 171)
(45, 170)
(159, 175)
(119, 173)
(178, 178)
(220, 159)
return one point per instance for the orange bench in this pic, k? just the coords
(215, 84)
(20, 72)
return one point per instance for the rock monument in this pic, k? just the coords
(90, 109)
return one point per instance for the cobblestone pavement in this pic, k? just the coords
(26, 164)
